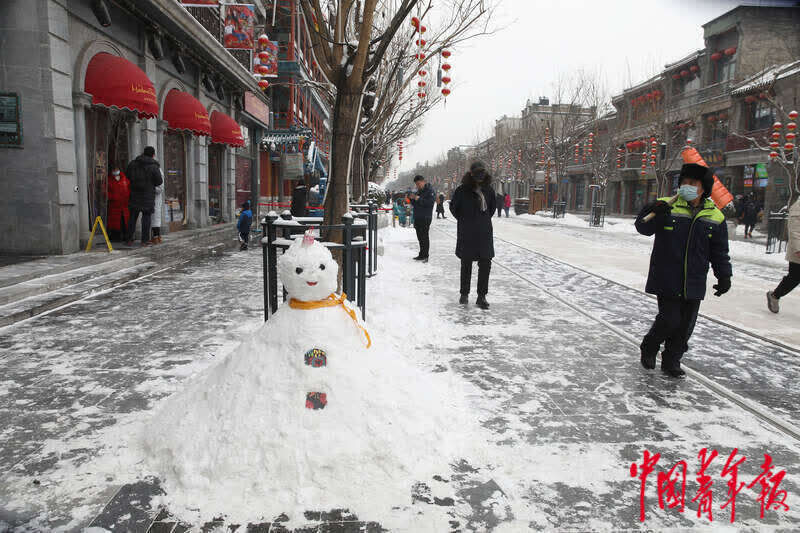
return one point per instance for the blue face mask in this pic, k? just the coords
(688, 192)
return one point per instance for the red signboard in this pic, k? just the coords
(240, 22)
(256, 108)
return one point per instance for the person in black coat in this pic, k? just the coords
(144, 173)
(422, 202)
(440, 206)
(498, 201)
(689, 234)
(749, 215)
(473, 205)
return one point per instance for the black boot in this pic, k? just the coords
(648, 358)
(674, 372)
(464, 300)
(482, 303)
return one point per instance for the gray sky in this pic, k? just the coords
(626, 41)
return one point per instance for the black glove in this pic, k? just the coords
(723, 285)
(661, 208)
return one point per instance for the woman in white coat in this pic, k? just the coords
(792, 279)
(155, 218)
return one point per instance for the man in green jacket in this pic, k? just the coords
(689, 234)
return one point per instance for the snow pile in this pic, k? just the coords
(240, 441)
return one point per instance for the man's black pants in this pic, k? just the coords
(789, 282)
(423, 228)
(673, 326)
(484, 268)
(135, 211)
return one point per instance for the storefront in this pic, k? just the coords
(186, 117)
(225, 132)
(116, 103)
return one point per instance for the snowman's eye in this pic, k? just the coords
(321, 266)
(298, 270)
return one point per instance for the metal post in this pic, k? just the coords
(362, 285)
(347, 256)
(370, 244)
(374, 247)
(273, 262)
(265, 267)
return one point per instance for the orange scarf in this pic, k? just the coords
(331, 301)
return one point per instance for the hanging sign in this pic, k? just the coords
(240, 22)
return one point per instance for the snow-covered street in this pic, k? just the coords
(550, 373)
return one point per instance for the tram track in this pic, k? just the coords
(759, 411)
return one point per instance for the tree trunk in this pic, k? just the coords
(345, 119)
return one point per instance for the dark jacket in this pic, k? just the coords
(423, 206)
(440, 203)
(245, 221)
(475, 234)
(750, 212)
(684, 247)
(144, 175)
(299, 200)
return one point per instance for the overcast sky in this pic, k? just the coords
(627, 41)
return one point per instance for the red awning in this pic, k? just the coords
(185, 112)
(225, 130)
(117, 83)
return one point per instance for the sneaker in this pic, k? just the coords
(420, 258)
(464, 300)
(482, 303)
(773, 302)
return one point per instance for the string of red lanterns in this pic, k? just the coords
(789, 137)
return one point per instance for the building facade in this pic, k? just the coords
(89, 84)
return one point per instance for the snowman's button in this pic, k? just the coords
(316, 400)
(316, 358)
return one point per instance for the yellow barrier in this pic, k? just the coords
(97, 221)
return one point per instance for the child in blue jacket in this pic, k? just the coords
(245, 221)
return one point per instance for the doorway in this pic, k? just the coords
(175, 180)
(107, 147)
(216, 156)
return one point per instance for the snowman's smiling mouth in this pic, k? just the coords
(311, 283)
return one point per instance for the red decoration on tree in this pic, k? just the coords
(422, 72)
(421, 83)
(421, 94)
(776, 135)
(446, 92)
(791, 126)
(773, 155)
(792, 115)
(774, 145)
(423, 29)
(446, 67)
(446, 79)
(421, 42)
(788, 147)
(777, 126)
(790, 136)
(415, 22)
(420, 56)
(445, 53)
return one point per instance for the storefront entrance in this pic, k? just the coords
(244, 180)
(216, 157)
(107, 147)
(175, 180)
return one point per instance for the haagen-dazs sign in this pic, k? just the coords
(256, 108)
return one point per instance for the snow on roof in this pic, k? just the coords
(684, 60)
(767, 77)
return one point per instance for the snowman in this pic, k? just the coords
(305, 414)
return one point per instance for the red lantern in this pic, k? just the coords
(777, 126)
(422, 72)
(414, 22)
(750, 99)
(790, 136)
(776, 135)
(676, 76)
(716, 56)
(684, 74)
(762, 95)
(446, 92)
(262, 69)
(263, 39)
(688, 141)
(774, 145)
(446, 79)
(423, 29)
(694, 68)
(446, 53)
(263, 84)
(791, 126)
(788, 147)
(773, 155)
(421, 42)
(421, 83)
(730, 51)
(711, 118)
(421, 95)
(263, 57)
(420, 56)
(446, 67)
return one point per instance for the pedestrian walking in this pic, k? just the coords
(499, 201)
(119, 193)
(792, 278)
(243, 225)
(144, 174)
(473, 205)
(440, 206)
(689, 234)
(400, 211)
(507, 203)
(158, 208)
(422, 202)
(749, 215)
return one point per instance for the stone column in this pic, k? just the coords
(80, 102)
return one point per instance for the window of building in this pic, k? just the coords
(723, 68)
(758, 115)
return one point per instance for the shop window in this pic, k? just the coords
(723, 69)
(758, 115)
